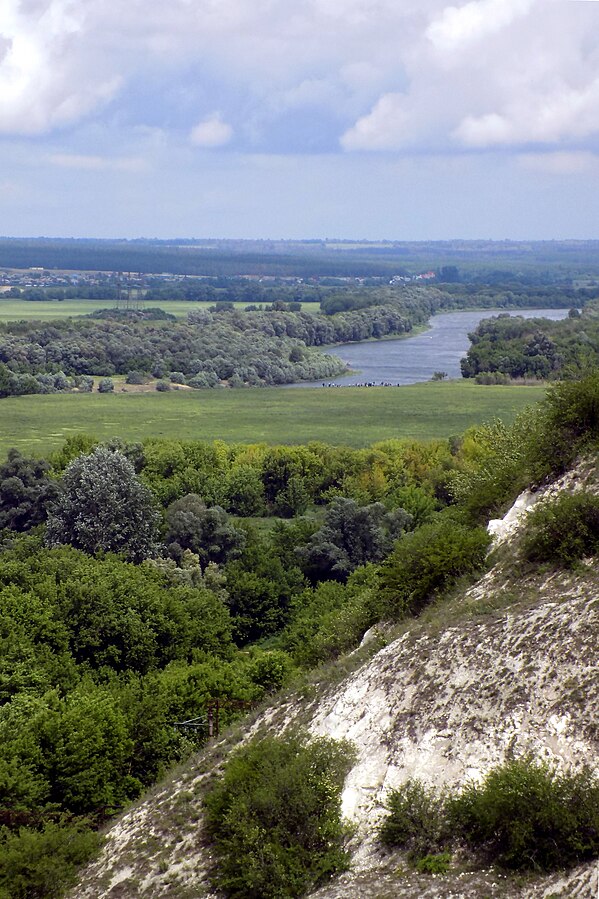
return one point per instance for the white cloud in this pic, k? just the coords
(461, 25)
(211, 132)
(563, 114)
(385, 128)
(39, 67)
(427, 74)
(492, 73)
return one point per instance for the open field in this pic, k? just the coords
(31, 310)
(351, 415)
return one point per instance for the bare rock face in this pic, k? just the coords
(509, 667)
(447, 707)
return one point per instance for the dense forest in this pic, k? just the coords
(515, 347)
(240, 348)
(136, 589)
(525, 262)
(131, 599)
(252, 348)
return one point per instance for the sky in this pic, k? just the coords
(366, 119)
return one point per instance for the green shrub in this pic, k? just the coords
(501, 469)
(526, 815)
(270, 669)
(42, 863)
(274, 817)
(416, 819)
(563, 530)
(429, 561)
(541, 443)
(135, 377)
(331, 618)
(434, 864)
(570, 421)
(492, 377)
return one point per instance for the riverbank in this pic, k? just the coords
(415, 357)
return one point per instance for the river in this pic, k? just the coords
(408, 360)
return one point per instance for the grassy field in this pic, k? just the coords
(18, 310)
(353, 416)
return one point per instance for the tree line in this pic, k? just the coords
(240, 348)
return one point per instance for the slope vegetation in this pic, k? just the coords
(501, 669)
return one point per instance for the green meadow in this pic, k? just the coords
(351, 415)
(32, 310)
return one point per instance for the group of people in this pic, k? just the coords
(363, 384)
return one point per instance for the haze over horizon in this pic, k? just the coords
(365, 119)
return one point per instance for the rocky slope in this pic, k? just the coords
(506, 667)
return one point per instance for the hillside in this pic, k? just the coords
(503, 668)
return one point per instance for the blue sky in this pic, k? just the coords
(396, 119)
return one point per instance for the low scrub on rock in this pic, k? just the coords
(564, 530)
(429, 561)
(525, 815)
(275, 817)
(416, 821)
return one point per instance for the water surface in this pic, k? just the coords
(408, 360)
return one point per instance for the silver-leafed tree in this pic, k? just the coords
(103, 507)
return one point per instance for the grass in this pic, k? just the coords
(353, 416)
(31, 310)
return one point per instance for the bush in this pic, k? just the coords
(331, 619)
(541, 443)
(427, 562)
(270, 669)
(84, 383)
(434, 864)
(42, 863)
(162, 386)
(135, 377)
(526, 815)
(416, 819)
(500, 467)
(564, 530)
(203, 379)
(492, 377)
(570, 423)
(275, 817)
(106, 385)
